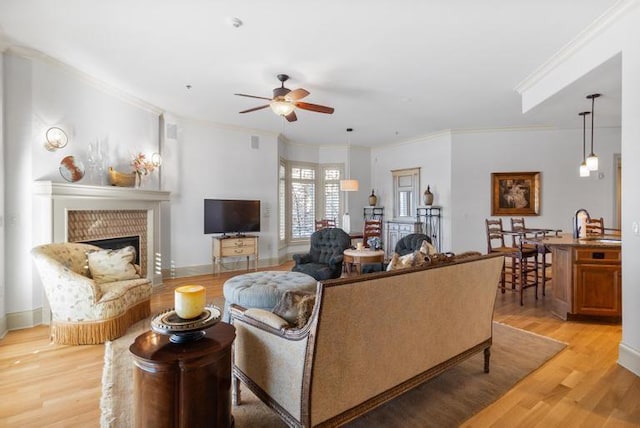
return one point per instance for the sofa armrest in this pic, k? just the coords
(302, 258)
(270, 359)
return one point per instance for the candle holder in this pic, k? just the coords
(182, 330)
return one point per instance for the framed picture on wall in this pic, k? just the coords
(515, 193)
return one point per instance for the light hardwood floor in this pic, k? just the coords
(42, 384)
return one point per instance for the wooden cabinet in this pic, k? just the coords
(237, 246)
(183, 384)
(396, 230)
(587, 281)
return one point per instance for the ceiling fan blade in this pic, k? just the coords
(253, 96)
(297, 94)
(315, 107)
(291, 117)
(255, 108)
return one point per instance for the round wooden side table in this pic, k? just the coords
(183, 384)
(357, 258)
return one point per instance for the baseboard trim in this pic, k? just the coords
(226, 266)
(24, 319)
(629, 358)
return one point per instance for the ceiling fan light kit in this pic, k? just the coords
(284, 101)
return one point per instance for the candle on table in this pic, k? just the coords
(359, 246)
(189, 301)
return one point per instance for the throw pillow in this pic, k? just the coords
(426, 248)
(112, 265)
(295, 307)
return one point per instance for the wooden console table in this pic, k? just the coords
(183, 385)
(246, 245)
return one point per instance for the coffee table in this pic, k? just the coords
(358, 257)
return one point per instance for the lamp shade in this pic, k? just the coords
(592, 162)
(349, 185)
(584, 170)
(282, 108)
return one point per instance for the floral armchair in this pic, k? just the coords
(324, 259)
(86, 308)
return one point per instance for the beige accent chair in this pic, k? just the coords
(370, 338)
(83, 310)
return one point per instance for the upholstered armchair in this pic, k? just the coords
(410, 243)
(324, 259)
(85, 308)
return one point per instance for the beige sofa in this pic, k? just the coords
(369, 339)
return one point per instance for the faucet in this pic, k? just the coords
(576, 226)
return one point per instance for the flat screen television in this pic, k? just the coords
(233, 216)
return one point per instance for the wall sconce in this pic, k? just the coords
(584, 169)
(156, 159)
(55, 138)
(592, 159)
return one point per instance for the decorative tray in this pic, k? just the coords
(185, 330)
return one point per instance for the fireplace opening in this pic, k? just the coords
(117, 243)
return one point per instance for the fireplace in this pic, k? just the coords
(79, 213)
(118, 243)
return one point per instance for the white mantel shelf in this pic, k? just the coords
(70, 190)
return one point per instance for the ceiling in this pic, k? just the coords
(394, 70)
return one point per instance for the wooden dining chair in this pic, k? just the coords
(594, 226)
(517, 225)
(522, 271)
(325, 223)
(372, 228)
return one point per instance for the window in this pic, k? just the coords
(307, 192)
(303, 201)
(406, 188)
(282, 207)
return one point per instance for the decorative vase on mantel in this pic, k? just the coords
(373, 199)
(138, 179)
(428, 197)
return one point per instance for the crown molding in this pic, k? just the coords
(598, 26)
(29, 53)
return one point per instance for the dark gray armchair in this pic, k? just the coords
(410, 243)
(324, 259)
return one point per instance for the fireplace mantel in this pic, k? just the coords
(54, 201)
(70, 190)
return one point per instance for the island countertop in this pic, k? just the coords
(567, 240)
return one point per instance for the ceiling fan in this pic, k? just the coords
(285, 101)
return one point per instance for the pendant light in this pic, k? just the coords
(592, 159)
(584, 169)
(348, 185)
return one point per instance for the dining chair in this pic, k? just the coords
(594, 226)
(522, 271)
(325, 223)
(517, 225)
(372, 228)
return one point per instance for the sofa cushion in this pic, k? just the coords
(112, 265)
(295, 307)
(266, 317)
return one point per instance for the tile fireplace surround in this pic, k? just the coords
(75, 213)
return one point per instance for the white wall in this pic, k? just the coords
(39, 93)
(433, 156)
(556, 154)
(3, 311)
(211, 162)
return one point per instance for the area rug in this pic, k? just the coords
(445, 401)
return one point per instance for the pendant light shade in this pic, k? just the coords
(349, 185)
(584, 168)
(592, 159)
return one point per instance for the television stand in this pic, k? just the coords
(236, 246)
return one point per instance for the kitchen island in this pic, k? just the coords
(587, 277)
